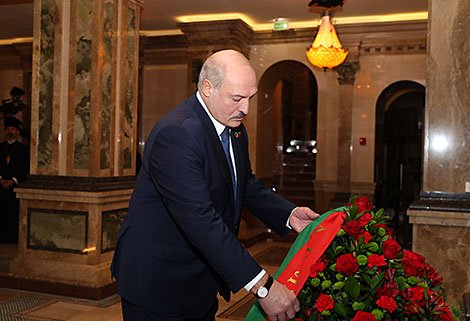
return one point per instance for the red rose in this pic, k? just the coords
(376, 260)
(363, 204)
(363, 316)
(413, 263)
(364, 219)
(346, 264)
(391, 248)
(367, 237)
(353, 228)
(316, 268)
(324, 302)
(415, 294)
(387, 303)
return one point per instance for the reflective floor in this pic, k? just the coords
(22, 305)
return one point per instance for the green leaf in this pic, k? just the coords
(313, 316)
(379, 213)
(366, 279)
(376, 280)
(352, 287)
(401, 283)
(341, 309)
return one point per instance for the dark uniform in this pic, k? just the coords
(13, 164)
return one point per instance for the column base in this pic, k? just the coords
(67, 234)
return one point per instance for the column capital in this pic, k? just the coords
(347, 72)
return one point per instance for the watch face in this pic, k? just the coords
(262, 292)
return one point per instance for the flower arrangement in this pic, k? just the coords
(365, 275)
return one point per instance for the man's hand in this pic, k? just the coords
(281, 304)
(301, 217)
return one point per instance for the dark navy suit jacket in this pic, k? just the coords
(178, 244)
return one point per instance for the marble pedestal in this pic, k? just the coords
(67, 237)
(441, 231)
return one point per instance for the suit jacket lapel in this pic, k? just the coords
(214, 141)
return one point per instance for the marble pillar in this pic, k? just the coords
(441, 216)
(83, 140)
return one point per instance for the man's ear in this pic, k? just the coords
(207, 88)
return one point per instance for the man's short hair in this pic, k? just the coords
(213, 70)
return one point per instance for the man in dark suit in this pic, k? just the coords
(178, 245)
(13, 171)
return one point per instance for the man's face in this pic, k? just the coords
(11, 132)
(230, 103)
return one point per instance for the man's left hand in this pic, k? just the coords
(301, 217)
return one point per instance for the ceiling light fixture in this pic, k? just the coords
(326, 50)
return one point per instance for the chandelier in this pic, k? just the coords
(326, 51)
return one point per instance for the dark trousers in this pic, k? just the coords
(132, 312)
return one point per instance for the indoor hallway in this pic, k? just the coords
(18, 305)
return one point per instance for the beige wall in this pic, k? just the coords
(378, 72)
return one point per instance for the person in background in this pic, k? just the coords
(178, 244)
(13, 171)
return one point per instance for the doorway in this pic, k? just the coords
(286, 130)
(398, 152)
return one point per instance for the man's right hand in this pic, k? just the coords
(280, 304)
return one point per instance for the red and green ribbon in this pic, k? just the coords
(309, 246)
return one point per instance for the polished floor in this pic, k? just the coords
(22, 305)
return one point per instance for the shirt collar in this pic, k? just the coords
(219, 127)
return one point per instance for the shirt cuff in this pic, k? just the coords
(15, 180)
(254, 281)
(288, 219)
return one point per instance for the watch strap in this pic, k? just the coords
(267, 286)
(269, 282)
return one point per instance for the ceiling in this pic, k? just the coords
(160, 16)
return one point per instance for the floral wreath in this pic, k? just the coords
(365, 275)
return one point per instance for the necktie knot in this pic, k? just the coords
(224, 135)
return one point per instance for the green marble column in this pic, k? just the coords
(83, 144)
(84, 109)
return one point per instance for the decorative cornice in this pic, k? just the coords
(216, 35)
(164, 50)
(73, 183)
(16, 56)
(404, 37)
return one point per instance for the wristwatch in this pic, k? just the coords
(263, 291)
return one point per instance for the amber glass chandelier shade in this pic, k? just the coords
(326, 51)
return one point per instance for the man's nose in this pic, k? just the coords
(245, 106)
